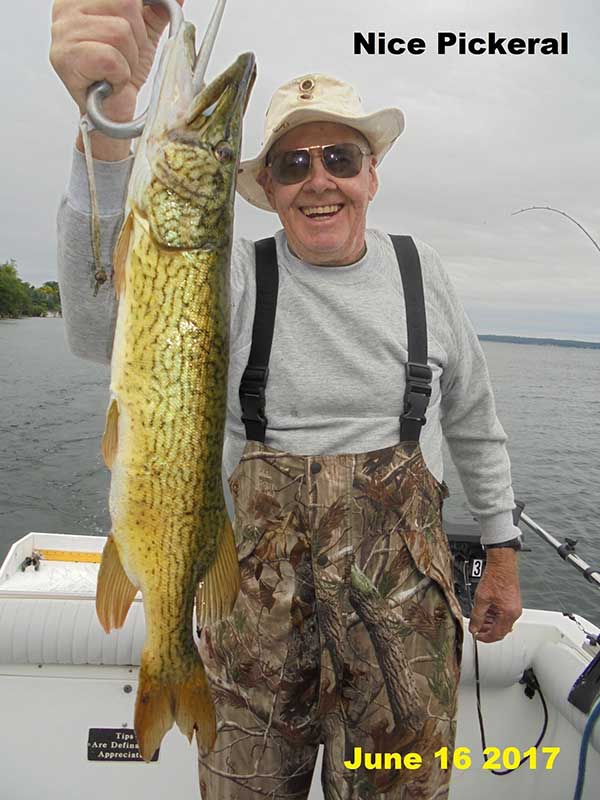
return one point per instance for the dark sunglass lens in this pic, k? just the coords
(291, 167)
(343, 160)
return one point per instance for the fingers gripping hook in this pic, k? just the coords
(95, 118)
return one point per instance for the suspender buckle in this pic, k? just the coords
(252, 394)
(418, 392)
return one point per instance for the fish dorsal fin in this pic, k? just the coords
(121, 254)
(220, 585)
(115, 592)
(110, 439)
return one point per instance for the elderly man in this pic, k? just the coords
(346, 630)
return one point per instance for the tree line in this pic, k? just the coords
(20, 299)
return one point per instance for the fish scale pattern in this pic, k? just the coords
(171, 384)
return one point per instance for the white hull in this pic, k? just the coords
(61, 675)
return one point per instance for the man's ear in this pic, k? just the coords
(373, 178)
(264, 179)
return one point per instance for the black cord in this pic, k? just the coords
(532, 686)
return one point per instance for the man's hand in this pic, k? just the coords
(498, 597)
(113, 40)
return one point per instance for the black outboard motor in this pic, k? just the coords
(469, 558)
(469, 562)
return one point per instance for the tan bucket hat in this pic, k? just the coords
(317, 98)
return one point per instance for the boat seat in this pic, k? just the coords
(66, 631)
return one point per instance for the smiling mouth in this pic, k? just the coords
(321, 212)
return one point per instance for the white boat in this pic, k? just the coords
(67, 694)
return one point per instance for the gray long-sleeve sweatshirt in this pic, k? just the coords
(336, 382)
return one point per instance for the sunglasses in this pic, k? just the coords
(340, 160)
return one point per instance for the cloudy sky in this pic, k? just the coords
(486, 136)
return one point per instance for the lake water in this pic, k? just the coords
(52, 477)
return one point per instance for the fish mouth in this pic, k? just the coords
(226, 98)
(247, 66)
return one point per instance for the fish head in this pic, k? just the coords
(191, 196)
(216, 113)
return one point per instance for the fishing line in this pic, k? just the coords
(550, 587)
(100, 275)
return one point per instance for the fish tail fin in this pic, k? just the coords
(154, 710)
(195, 710)
(115, 592)
(220, 585)
(159, 705)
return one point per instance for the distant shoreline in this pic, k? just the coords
(489, 337)
(49, 315)
(483, 337)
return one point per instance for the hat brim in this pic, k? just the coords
(381, 129)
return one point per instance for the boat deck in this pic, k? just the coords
(59, 668)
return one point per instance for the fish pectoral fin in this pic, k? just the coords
(115, 592)
(220, 585)
(110, 438)
(121, 253)
(159, 704)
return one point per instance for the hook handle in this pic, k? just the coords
(206, 47)
(95, 118)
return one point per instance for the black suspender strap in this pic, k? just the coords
(418, 372)
(254, 379)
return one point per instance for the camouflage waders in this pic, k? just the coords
(346, 630)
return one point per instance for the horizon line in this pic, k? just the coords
(517, 339)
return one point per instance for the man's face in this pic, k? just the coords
(337, 238)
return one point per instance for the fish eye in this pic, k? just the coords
(223, 152)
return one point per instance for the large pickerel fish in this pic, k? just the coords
(171, 536)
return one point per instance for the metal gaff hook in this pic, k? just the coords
(95, 118)
(206, 48)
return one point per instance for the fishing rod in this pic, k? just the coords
(566, 550)
(469, 555)
(562, 213)
(585, 690)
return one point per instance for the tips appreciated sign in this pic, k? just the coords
(114, 744)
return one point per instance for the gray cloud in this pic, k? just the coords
(486, 136)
